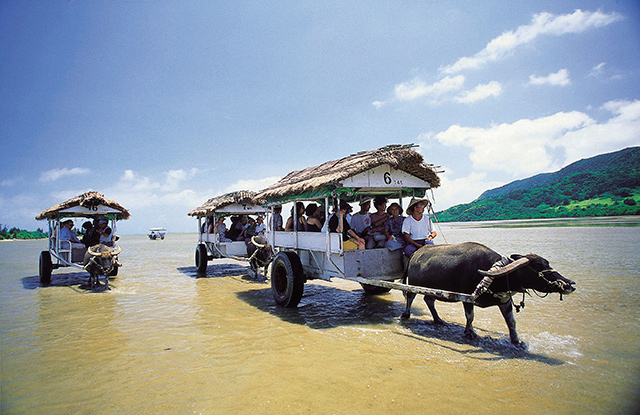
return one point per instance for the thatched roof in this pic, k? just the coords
(87, 200)
(242, 197)
(327, 176)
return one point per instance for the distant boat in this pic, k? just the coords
(157, 233)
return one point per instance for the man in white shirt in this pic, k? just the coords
(361, 221)
(417, 228)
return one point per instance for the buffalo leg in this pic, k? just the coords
(507, 312)
(431, 303)
(468, 313)
(410, 297)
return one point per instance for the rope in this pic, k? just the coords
(437, 223)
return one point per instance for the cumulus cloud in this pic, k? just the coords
(417, 88)
(541, 24)
(560, 78)
(55, 174)
(480, 92)
(527, 147)
(251, 184)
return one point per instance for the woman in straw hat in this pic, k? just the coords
(417, 227)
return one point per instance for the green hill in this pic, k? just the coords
(604, 185)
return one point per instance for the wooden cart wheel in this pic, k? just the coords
(287, 279)
(201, 258)
(45, 267)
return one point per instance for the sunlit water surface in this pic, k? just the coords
(164, 340)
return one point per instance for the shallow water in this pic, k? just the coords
(164, 340)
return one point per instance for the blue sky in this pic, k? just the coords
(161, 105)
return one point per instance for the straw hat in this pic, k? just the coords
(415, 201)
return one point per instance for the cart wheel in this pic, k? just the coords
(45, 267)
(201, 258)
(374, 289)
(287, 279)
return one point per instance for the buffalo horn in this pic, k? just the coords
(93, 253)
(506, 269)
(253, 241)
(116, 250)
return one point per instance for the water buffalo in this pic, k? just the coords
(101, 260)
(260, 254)
(472, 268)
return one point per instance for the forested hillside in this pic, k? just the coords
(605, 185)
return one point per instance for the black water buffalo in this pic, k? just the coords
(472, 268)
(260, 254)
(100, 260)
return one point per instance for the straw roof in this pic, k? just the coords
(242, 197)
(327, 176)
(87, 200)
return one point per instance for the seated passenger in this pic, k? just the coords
(393, 228)
(376, 237)
(233, 231)
(105, 233)
(361, 221)
(302, 223)
(249, 230)
(338, 223)
(261, 228)
(91, 236)
(67, 234)
(313, 218)
(417, 228)
(240, 228)
(221, 230)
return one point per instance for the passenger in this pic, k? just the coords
(105, 233)
(261, 228)
(376, 237)
(234, 229)
(240, 227)
(302, 222)
(417, 228)
(347, 217)
(393, 228)
(276, 219)
(67, 234)
(91, 236)
(338, 223)
(313, 218)
(361, 221)
(249, 231)
(221, 230)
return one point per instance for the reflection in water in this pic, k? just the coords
(166, 339)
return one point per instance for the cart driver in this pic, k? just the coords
(417, 228)
(67, 234)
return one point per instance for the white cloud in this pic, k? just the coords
(560, 78)
(251, 184)
(527, 147)
(461, 190)
(597, 69)
(417, 88)
(541, 24)
(480, 92)
(55, 174)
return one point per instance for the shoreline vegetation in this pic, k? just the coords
(7, 234)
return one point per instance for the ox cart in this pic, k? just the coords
(395, 172)
(157, 233)
(96, 211)
(214, 241)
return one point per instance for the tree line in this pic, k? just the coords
(17, 233)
